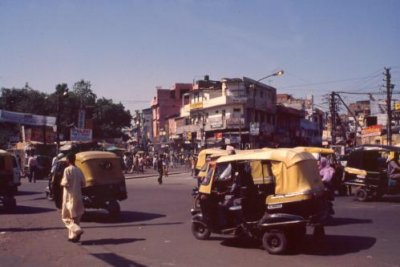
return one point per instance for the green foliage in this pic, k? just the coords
(108, 118)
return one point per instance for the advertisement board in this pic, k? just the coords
(79, 134)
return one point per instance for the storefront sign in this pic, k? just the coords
(26, 119)
(78, 134)
(374, 130)
(196, 105)
(234, 122)
(216, 122)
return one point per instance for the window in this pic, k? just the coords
(236, 110)
(261, 94)
(217, 111)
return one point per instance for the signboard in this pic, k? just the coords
(234, 122)
(26, 118)
(374, 130)
(254, 128)
(36, 134)
(397, 106)
(216, 122)
(79, 134)
(81, 118)
(196, 105)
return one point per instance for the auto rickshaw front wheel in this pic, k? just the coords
(362, 194)
(275, 241)
(200, 231)
(113, 208)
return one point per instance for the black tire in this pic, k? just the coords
(362, 195)
(113, 208)
(200, 231)
(275, 241)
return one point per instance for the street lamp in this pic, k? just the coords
(62, 92)
(278, 73)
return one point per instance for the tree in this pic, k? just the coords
(109, 119)
(82, 89)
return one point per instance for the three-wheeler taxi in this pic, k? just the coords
(269, 195)
(9, 180)
(104, 181)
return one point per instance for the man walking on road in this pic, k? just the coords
(72, 205)
(160, 168)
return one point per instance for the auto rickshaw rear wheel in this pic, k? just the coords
(361, 194)
(200, 231)
(275, 241)
(113, 208)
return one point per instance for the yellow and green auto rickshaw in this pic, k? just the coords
(270, 195)
(9, 180)
(104, 181)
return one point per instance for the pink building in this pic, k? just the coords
(166, 103)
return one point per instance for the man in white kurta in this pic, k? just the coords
(72, 206)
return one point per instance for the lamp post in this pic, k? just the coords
(62, 92)
(278, 73)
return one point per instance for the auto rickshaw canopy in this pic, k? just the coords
(294, 172)
(99, 167)
(313, 149)
(203, 154)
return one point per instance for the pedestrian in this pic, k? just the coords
(160, 168)
(155, 162)
(32, 166)
(393, 170)
(72, 207)
(192, 166)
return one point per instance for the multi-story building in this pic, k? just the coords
(167, 102)
(238, 111)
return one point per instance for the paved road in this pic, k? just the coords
(155, 231)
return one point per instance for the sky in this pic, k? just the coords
(126, 48)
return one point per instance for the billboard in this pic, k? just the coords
(26, 118)
(79, 134)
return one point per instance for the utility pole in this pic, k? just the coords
(389, 88)
(333, 111)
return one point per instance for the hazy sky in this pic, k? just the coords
(127, 48)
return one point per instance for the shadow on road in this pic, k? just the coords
(336, 245)
(27, 193)
(390, 198)
(116, 260)
(336, 221)
(26, 210)
(34, 229)
(110, 241)
(125, 217)
(331, 245)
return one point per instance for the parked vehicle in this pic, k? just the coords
(9, 180)
(104, 181)
(366, 172)
(279, 194)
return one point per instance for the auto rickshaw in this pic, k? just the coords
(366, 171)
(104, 181)
(9, 180)
(283, 194)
